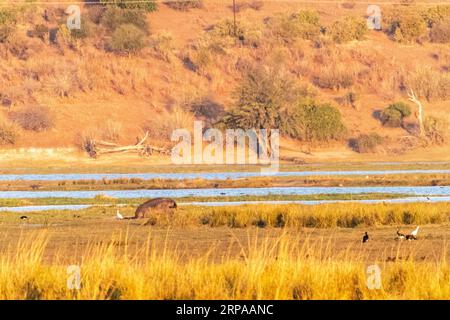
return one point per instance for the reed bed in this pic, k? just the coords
(345, 215)
(266, 269)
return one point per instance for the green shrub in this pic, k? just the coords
(304, 24)
(127, 38)
(184, 5)
(148, 5)
(33, 118)
(366, 142)
(114, 17)
(348, 29)
(393, 115)
(315, 122)
(407, 26)
(440, 32)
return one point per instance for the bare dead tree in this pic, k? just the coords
(413, 98)
(99, 147)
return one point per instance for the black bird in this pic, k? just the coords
(23, 218)
(365, 238)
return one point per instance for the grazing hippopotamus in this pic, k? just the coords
(157, 204)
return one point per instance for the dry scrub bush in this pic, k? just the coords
(348, 29)
(34, 118)
(429, 84)
(114, 17)
(8, 132)
(406, 25)
(163, 46)
(161, 125)
(112, 131)
(366, 143)
(436, 130)
(440, 32)
(127, 38)
(184, 5)
(304, 24)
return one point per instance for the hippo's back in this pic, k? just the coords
(155, 204)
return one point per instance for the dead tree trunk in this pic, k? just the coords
(412, 97)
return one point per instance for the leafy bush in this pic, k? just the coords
(407, 26)
(348, 29)
(366, 142)
(393, 115)
(304, 24)
(114, 17)
(8, 133)
(148, 5)
(311, 121)
(440, 32)
(33, 118)
(127, 38)
(184, 5)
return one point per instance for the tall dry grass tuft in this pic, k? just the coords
(266, 269)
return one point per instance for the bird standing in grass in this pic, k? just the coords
(413, 234)
(365, 237)
(119, 216)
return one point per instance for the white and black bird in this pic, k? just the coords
(23, 218)
(365, 237)
(119, 216)
(413, 234)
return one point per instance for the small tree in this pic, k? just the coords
(393, 115)
(311, 121)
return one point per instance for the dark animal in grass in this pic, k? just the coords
(400, 236)
(365, 238)
(23, 218)
(152, 208)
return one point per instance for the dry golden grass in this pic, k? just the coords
(265, 270)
